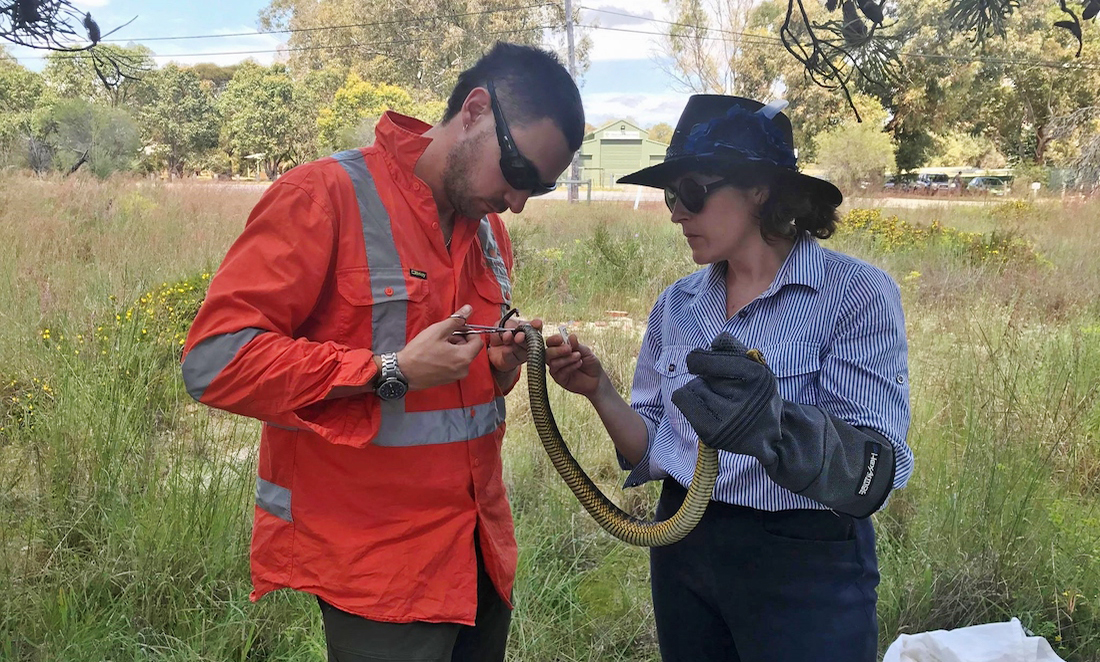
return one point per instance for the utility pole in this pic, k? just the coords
(575, 166)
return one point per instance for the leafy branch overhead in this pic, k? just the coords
(858, 42)
(57, 25)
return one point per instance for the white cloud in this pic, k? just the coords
(647, 109)
(611, 44)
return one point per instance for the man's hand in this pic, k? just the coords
(436, 356)
(508, 350)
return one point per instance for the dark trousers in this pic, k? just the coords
(753, 586)
(351, 638)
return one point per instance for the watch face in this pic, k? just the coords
(392, 389)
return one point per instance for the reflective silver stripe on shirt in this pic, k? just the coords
(280, 427)
(441, 426)
(389, 321)
(273, 499)
(207, 359)
(494, 261)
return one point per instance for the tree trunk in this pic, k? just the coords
(1042, 139)
(81, 161)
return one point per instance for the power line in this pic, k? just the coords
(742, 38)
(418, 19)
(705, 28)
(299, 48)
(761, 40)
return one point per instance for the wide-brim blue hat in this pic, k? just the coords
(719, 132)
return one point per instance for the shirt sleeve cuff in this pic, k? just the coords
(357, 368)
(349, 420)
(506, 388)
(644, 471)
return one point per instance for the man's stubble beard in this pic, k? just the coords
(456, 177)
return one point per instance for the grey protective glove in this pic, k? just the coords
(733, 405)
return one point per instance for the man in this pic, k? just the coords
(333, 319)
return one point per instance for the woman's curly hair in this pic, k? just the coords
(792, 206)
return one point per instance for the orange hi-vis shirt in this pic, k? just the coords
(371, 505)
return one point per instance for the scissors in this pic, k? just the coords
(474, 329)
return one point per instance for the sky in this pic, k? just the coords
(626, 76)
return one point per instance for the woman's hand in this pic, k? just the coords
(573, 366)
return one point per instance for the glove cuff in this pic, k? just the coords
(876, 478)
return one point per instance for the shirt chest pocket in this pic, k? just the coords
(796, 366)
(672, 366)
(382, 309)
(494, 297)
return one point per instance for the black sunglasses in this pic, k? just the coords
(691, 194)
(517, 169)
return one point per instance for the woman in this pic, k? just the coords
(782, 567)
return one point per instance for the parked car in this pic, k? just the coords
(987, 185)
(933, 183)
(904, 182)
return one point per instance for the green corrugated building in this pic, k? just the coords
(617, 149)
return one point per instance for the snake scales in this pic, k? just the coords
(613, 519)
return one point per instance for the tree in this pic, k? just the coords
(959, 148)
(262, 113)
(1008, 95)
(734, 37)
(856, 152)
(75, 75)
(180, 123)
(418, 45)
(20, 90)
(661, 132)
(709, 45)
(214, 77)
(341, 123)
(104, 138)
(710, 40)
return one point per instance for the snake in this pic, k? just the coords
(613, 519)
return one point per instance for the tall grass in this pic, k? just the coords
(125, 508)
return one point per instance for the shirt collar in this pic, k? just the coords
(402, 139)
(805, 265)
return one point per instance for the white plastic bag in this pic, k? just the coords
(992, 642)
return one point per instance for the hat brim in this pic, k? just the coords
(663, 174)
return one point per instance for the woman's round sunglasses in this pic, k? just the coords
(691, 194)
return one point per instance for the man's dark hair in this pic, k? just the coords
(531, 84)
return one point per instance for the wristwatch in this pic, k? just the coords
(393, 384)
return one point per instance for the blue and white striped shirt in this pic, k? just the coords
(832, 330)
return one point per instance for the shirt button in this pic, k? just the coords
(473, 414)
(435, 226)
(743, 314)
(671, 367)
(389, 291)
(477, 463)
(901, 379)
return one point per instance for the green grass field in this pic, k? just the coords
(125, 509)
